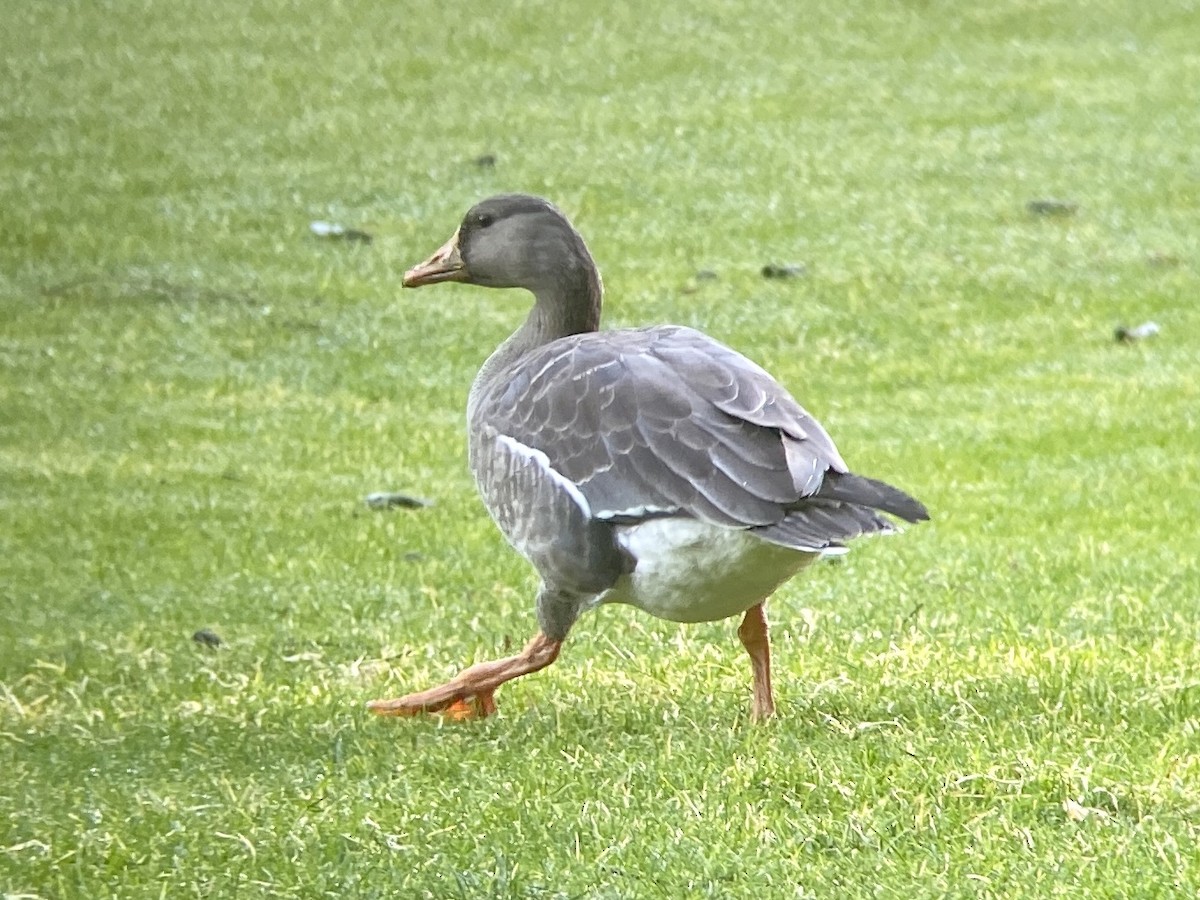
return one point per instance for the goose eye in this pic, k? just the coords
(485, 219)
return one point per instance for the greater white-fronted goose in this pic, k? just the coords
(650, 466)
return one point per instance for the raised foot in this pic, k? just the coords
(470, 694)
(456, 707)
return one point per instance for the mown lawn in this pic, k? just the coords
(196, 394)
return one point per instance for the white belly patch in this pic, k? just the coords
(689, 571)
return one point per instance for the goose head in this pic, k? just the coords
(510, 241)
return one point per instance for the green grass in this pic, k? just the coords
(195, 395)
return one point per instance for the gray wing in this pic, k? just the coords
(613, 428)
(666, 421)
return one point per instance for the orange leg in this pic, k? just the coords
(753, 632)
(469, 694)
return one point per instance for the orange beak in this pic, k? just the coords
(446, 264)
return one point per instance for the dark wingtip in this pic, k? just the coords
(874, 494)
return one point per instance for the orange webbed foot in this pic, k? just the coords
(459, 707)
(470, 695)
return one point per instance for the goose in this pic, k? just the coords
(654, 466)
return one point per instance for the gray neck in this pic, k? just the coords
(568, 305)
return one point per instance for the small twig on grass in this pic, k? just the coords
(911, 617)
